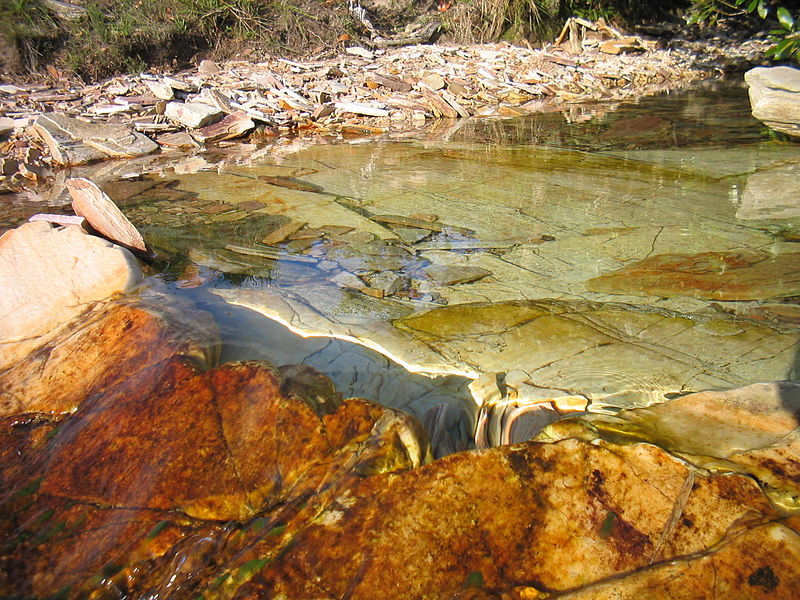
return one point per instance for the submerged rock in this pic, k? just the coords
(709, 275)
(51, 275)
(775, 97)
(751, 430)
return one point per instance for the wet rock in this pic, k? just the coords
(455, 274)
(751, 430)
(103, 347)
(771, 193)
(561, 515)
(775, 97)
(755, 563)
(91, 202)
(74, 142)
(370, 256)
(709, 275)
(192, 114)
(387, 281)
(52, 275)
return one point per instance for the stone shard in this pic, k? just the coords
(231, 126)
(709, 275)
(51, 275)
(193, 114)
(775, 97)
(91, 202)
(73, 142)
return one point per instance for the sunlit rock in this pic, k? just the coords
(613, 355)
(757, 563)
(552, 516)
(709, 275)
(775, 97)
(170, 445)
(51, 275)
(751, 430)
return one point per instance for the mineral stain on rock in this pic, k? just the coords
(708, 275)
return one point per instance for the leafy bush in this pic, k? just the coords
(785, 35)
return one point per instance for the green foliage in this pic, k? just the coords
(25, 18)
(785, 36)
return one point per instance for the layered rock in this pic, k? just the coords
(775, 97)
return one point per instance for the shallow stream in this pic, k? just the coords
(594, 260)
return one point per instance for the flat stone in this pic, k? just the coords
(91, 202)
(180, 139)
(192, 114)
(709, 275)
(208, 67)
(72, 141)
(51, 276)
(387, 281)
(453, 275)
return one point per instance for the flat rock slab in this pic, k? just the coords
(74, 142)
(708, 275)
(51, 275)
(612, 354)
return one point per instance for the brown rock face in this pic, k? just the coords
(709, 275)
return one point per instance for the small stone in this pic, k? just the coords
(434, 81)
(387, 281)
(359, 51)
(359, 108)
(231, 126)
(192, 114)
(207, 67)
(348, 280)
(160, 90)
(411, 235)
(283, 232)
(181, 139)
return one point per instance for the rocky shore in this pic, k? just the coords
(135, 464)
(58, 122)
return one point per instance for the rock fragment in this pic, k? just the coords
(91, 202)
(192, 114)
(775, 97)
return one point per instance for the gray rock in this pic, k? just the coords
(387, 281)
(775, 97)
(75, 142)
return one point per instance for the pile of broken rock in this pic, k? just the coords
(361, 92)
(133, 464)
